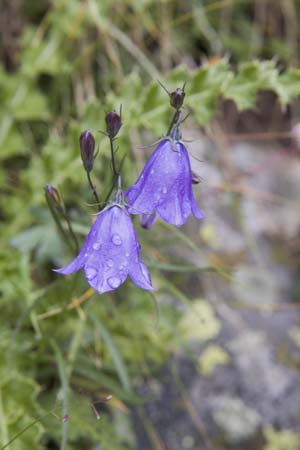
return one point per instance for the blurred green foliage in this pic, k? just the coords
(71, 62)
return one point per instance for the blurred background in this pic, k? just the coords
(212, 360)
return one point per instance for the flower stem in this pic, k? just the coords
(93, 189)
(116, 173)
(71, 231)
(174, 121)
(57, 218)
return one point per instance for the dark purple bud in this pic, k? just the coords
(113, 124)
(53, 196)
(196, 179)
(177, 98)
(148, 220)
(87, 149)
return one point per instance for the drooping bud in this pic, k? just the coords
(53, 196)
(296, 134)
(113, 124)
(196, 178)
(148, 220)
(177, 98)
(87, 149)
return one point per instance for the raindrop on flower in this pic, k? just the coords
(116, 239)
(90, 273)
(96, 246)
(114, 282)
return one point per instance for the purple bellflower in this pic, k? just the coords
(165, 183)
(111, 252)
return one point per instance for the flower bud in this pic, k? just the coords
(148, 220)
(87, 149)
(177, 98)
(113, 124)
(196, 178)
(53, 195)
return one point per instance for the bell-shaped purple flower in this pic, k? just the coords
(165, 185)
(111, 253)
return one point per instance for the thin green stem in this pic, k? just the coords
(70, 228)
(173, 121)
(112, 150)
(58, 223)
(93, 190)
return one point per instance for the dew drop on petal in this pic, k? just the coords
(96, 245)
(114, 282)
(100, 287)
(152, 171)
(90, 273)
(116, 239)
(127, 255)
(164, 190)
(110, 263)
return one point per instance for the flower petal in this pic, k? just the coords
(165, 186)
(155, 180)
(91, 240)
(110, 252)
(107, 264)
(140, 275)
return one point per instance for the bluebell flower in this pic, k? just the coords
(111, 252)
(165, 184)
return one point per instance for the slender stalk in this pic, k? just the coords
(174, 121)
(115, 172)
(93, 190)
(58, 223)
(71, 231)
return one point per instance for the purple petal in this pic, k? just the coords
(145, 194)
(140, 275)
(165, 186)
(109, 252)
(91, 240)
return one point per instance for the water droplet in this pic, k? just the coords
(127, 255)
(152, 171)
(90, 273)
(116, 239)
(164, 190)
(114, 282)
(100, 287)
(97, 245)
(110, 263)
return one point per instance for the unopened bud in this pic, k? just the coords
(196, 179)
(148, 220)
(53, 196)
(296, 134)
(113, 124)
(177, 98)
(87, 149)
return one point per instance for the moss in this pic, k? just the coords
(235, 419)
(281, 440)
(294, 333)
(199, 322)
(213, 356)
